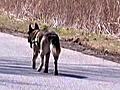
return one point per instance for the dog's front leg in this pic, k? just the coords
(34, 60)
(35, 55)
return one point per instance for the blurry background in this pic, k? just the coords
(91, 23)
(99, 16)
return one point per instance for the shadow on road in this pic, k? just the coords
(15, 66)
(94, 72)
(72, 76)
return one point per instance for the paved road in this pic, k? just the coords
(77, 71)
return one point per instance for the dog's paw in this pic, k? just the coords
(38, 70)
(45, 71)
(56, 72)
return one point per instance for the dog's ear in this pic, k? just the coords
(36, 26)
(30, 29)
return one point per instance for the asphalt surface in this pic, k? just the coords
(77, 71)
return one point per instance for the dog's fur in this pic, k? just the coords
(40, 41)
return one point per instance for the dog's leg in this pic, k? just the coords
(34, 60)
(42, 62)
(47, 62)
(35, 55)
(56, 64)
(56, 53)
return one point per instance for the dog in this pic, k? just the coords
(40, 41)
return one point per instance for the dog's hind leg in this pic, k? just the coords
(35, 55)
(42, 63)
(56, 64)
(47, 62)
(56, 52)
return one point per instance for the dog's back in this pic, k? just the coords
(46, 37)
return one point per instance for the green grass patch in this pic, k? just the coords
(104, 43)
(98, 41)
(64, 32)
(14, 23)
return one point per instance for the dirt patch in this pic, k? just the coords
(13, 32)
(78, 46)
(73, 44)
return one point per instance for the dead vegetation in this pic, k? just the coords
(98, 16)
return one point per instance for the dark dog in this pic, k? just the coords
(40, 41)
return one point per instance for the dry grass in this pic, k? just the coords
(104, 43)
(98, 16)
(101, 42)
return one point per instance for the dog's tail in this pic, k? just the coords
(55, 45)
(55, 41)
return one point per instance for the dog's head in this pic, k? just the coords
(30, 32)
(31, 29)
